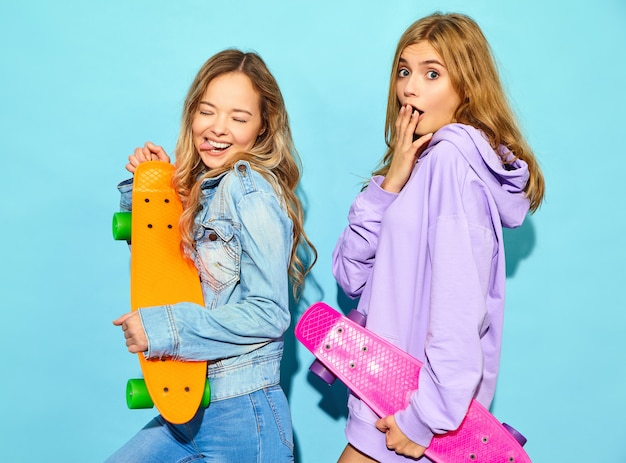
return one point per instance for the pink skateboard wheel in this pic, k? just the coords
(319, 370)
(519, 437)
(357, 317)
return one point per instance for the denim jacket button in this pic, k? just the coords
(213, 236)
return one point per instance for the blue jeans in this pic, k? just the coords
(253, 428)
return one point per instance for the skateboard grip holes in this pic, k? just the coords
(149, 225)
(484, 440)
(340, 330)
(363, 348)
(166, 389)
(352, 365)
(166, 200)
(327, 346)
(472, 456)
(186, 388)
(169, 225)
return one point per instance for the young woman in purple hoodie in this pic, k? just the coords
(424, 249)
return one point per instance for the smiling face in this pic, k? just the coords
(228, 119)
(424, 83)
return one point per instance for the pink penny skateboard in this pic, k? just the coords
(384, 377)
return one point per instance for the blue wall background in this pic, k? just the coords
(83, 83)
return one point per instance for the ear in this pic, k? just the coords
(262, 131)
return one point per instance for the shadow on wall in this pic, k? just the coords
(518, 245)
(290, 365)
(333, 398)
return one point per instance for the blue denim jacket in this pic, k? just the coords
(243, 245)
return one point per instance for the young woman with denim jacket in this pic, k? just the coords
(236, 173)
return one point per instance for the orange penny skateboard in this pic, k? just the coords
(161, 274)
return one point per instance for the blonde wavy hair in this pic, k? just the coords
(467, 55)
(273, 154)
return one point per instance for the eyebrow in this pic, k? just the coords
(235, 110)
(421, 63)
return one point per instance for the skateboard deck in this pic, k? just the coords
(384, 377)
(161, 274)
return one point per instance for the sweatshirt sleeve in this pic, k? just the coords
(354, 253)
(461, 247)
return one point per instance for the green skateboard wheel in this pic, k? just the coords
(137, 395)
(206, 398)
(122, 226)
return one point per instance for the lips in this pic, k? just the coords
(213, 146)
(420, 112)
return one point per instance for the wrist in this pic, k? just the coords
(391, 186)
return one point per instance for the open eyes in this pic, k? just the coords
(403, 72)
(430, 74)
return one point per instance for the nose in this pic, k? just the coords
(411, 87)
(219, 126)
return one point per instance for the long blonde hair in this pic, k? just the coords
(273, 154)
(467, 55)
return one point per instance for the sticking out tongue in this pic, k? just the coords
(207, 146)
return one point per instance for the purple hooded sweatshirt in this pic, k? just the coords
(428, 265)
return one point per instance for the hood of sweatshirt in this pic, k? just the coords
(505, 181)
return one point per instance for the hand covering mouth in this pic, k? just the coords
(419, 112)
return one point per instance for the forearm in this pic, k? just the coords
(188, 331)
(454, 362)
(353, 256)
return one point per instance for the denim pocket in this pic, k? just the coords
(280, 409)
(218, 253)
